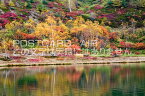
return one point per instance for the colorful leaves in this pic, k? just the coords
(113, 36)
(54, 4)
(98, 7)
(76, 48)
(51, 29)
(74, 13)
(6, 18)
(139, 46)
(25, 36)
(9, 15)
(126, 45)
(108, 16)
(50, 20)
(3, 22)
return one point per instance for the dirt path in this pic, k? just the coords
(65, 61)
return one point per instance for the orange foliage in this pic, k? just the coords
(88, 29)
(105, 31)
(139, 46)
(21, 35)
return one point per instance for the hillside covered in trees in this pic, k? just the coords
(115, 23)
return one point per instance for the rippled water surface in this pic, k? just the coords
(74, 80)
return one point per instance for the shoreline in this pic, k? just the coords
(53, 61)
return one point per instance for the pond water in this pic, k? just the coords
(73, 80)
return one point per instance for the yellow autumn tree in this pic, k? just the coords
(51, 29)
(88, 30)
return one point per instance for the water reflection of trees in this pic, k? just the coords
(6, 81)
(68, 81)
(128, 81)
